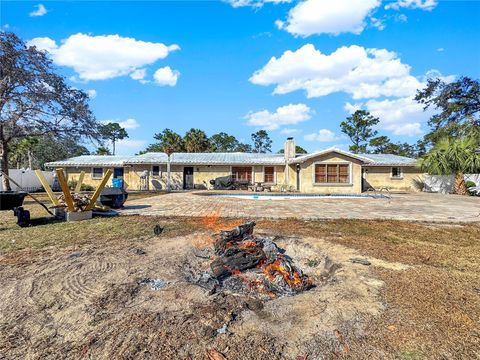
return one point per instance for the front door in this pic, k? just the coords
(118, 173)
(187, 178)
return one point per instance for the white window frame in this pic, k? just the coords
(274, 174)
(400, 177)
(159, 170)
(93, 173)
(350, 166)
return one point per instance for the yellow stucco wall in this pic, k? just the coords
(380, 177)
(307, 173)
(74, 174)
(202, 175)
(375, 176)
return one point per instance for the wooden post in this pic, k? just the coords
(97, 192)
(80, 181)
(66, 191)
(47, 187)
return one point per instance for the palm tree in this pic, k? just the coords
(196, 141)
(453, 157)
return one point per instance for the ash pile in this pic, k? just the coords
(249, 264)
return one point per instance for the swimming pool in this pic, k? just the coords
(296, 196)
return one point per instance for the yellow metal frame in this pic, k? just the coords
(47, 187)
(80, 182)
(97, 192)
(62, 180)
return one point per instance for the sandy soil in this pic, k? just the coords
(91, 303)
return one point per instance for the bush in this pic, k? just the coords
(72, 184)
(470, 184)
(85, 187)
(418, 184)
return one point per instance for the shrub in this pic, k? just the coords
(468, 185)
(72, 184)
(418, 184)
(85, 187)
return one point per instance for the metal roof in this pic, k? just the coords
(90, 160)
(301, 159)
(236, 158)
(389, 159)
(148, 158)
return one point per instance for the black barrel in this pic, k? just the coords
(113, 197)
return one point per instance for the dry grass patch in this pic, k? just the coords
(432, 309)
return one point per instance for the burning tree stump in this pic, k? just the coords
(257, 262)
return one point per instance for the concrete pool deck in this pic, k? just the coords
(412, 206)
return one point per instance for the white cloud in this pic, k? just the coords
(129, 146)
(440, 49)
(289, 131)
(254, 3)
(166, 76)
(361, 72)
(377, 76)
(351, 108)
(323, 135)
(412, 4)
(92, 94)
(129, 124)
(138, 74)
(43, 43)
(402, 116)
(39, 11)
(104, 56)
(5, 26)
(378, 23)
(401, 18)
(279, 24)
(284, 115)
(329, 17)
(126, 124)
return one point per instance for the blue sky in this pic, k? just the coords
(208, 64)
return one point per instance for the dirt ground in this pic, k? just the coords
(76, 291)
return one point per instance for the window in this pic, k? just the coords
(269, 174)
(332, 173)
(97, 173)
(396, 172)
(155, 170)
(242, 173)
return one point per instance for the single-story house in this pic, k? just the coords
(327, 171)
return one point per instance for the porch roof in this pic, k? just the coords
(90, 160)
(235, 158)
(367, 159)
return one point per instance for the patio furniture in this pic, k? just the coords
(260, 187)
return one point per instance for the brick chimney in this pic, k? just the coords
(289, 149)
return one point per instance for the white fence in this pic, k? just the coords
(444, 183)
(27, 179)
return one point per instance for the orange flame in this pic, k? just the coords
(293, 279)
(212, 222)
(247, 244)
